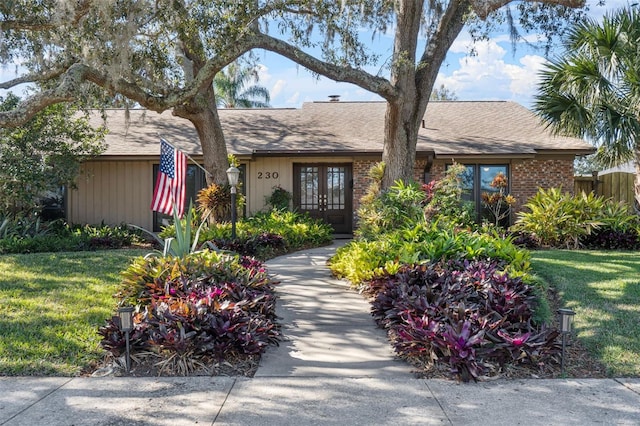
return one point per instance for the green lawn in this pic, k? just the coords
(603, 288)
(51, 305)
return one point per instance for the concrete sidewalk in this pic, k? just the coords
(334, 367)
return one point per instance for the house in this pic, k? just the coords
(322, 153)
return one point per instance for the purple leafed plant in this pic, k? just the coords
(199, 307)
(464, 314)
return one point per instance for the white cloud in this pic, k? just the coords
(293, 100)
(295, 85)
(263, 74)
(277, 88)
(524, 79)
(488, 76)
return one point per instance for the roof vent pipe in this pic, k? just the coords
(424, 125)
(334, 98)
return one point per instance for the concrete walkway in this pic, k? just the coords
(327, 327)
(334, 368)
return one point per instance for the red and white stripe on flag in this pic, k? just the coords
(170, 186)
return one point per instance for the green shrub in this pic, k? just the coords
(361, 260)
(557, 219)
(445, 205)
(298, 231)
(42, 244)
(24, 226)
(24, 235)
(279, 198)
(400, 206)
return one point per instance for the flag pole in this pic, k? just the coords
(188, 156)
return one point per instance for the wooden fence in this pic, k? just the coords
(617, 186)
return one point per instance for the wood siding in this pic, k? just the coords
(261, 180)
(262, 175)
(112, 192)
(116, 192)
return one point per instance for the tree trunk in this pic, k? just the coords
(414, 83)
(400, 133)
(636, 183)
(203, 114)
(399, 152)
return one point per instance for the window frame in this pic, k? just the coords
(475, 194)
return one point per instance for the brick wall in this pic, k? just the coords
(361, 181)
(418, 170)
(527, 176)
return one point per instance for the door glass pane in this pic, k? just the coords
(487, 173)
(309, 180)
(336, 177)
(466, 182)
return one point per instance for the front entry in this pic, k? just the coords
(324, 191)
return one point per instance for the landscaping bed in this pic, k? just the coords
(463, 300)
(198, 310)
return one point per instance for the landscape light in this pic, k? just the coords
(125, 313)
(233, 175)
(566, 318)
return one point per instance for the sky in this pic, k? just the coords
(496, 72)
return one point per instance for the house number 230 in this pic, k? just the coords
(268, 175)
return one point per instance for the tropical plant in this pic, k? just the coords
(214, 202)
(279, 198)
(265, 234)
(557, 219)
(465, 315)
(445, 204)
(29, 234)
(232, 88)
(498, 203)
(195, 310)
(400, 206)
(180, 241)
(594, 90)
(361, 259)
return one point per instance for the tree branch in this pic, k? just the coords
(34, 77)
(483, 8)
(81, 9)
(25, 110)
(78, 73)
(449, 27)
(378, 85)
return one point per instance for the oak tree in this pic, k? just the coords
(164, 54)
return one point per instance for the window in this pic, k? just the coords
(196, 180)
(476, 180)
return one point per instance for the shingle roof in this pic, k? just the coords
(450, 128)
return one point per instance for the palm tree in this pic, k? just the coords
(594, 91)
(231, 88)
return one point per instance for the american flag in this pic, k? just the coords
(170, 183)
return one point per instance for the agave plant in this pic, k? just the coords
(182, 244)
